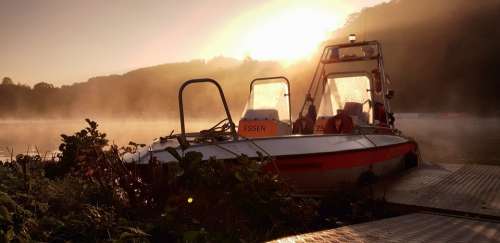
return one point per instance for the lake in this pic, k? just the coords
(455, 140)
(441, 139)
(43, 136)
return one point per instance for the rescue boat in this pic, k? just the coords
(344, 131)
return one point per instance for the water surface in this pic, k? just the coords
(455, 139)
(441, 139)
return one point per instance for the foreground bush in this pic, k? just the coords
(90, 195)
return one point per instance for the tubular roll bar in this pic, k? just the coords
(223, 98)
(322, 63)
(288, 94)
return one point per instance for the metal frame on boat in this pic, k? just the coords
(224, 102)
(288, 94)
(319, 73)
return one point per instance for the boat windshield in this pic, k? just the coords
(348, 53)
(268, 98)
(349, 95)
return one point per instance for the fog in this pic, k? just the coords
(442, 57)
(462, 139)
(43, 136)
(441, 139)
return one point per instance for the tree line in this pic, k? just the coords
(442, 57)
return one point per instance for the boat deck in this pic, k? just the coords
(454, 203)
(418, 227)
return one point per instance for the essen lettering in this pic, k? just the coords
(255, 128)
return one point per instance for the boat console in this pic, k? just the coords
(349, 87)
(267, 112)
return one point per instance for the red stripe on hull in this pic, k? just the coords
(342, 160)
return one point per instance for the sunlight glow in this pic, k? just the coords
(282, 30)
(291, 35)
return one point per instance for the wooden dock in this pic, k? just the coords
(453, 203)
(469, 189)
(414, 228)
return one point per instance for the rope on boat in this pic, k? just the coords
(367, 138)
(226, 149)
(256, 145)
(273, 160)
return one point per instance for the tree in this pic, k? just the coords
(43, 86)
(7, 81)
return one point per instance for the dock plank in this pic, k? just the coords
(415, 228)
(468, 188)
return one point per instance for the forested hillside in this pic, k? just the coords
(442, 56)
(144, 93)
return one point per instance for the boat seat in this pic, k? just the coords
(325, 125)
(261, 114)
(340, 123)
(355, 111)
(379, 114)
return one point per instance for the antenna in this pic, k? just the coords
(364, 26)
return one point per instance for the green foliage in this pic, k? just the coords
(14, 221)
(223, 201)
(66, 209)
(75, 148)
(90, 195)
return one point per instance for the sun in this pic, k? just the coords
(291, 35)
(281, 31)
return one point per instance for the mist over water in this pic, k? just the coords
(441, 139)
(455, 140)
(441, 56)
(44, 135)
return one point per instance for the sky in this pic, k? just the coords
(62, 42)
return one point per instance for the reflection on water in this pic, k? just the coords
(449, 140)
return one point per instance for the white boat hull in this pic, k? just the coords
(310, 163)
